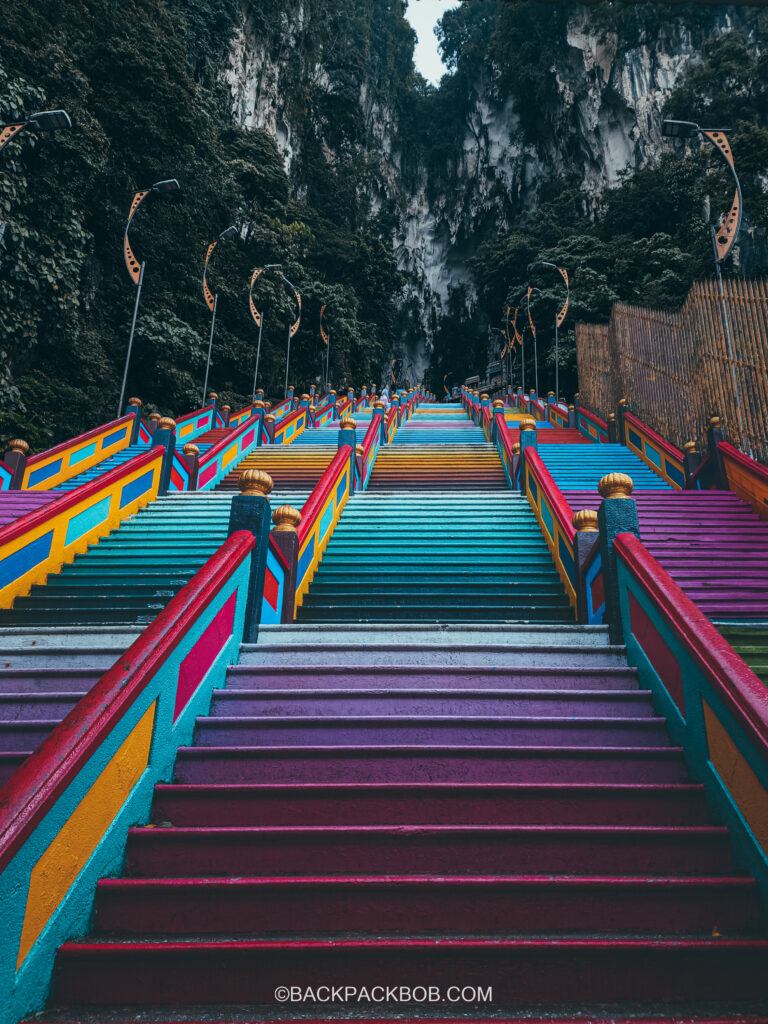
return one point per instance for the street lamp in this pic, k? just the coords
(292, 328)
(212, 301)
(724, 238)
(533, 332)
(166, 188)
(559, 318)
(43, 121)
(258, 317)
(326, 336)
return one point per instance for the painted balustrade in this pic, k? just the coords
(370, 449)
(56, 465)
(65, 814)
(509, 458)
(555, 517)
(592, 590)
(289, 428)
(747, 478)
(214, 464)
(392, 423)
(242, 416)
(663, 458)
(716, 707)
(40, 542)
(591, 426)
(558, 414)
(195, 423)
(319, 516)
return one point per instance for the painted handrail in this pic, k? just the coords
(392, 423)
(371, 444)
(486, 424)
(319, 516)
(40, 542)
(504, 445)
(65, 814)
(50, 468)
(716, 707)
(662, 457)
(747, 478)
(237, 419)
(289, 428)
(194, 424)
(594, 587)
(555, 516)
(282, 409)
(591, 426)
(215, 463)
(558, 414)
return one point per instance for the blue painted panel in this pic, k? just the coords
(84, 453)
(635, 438)
(567, 559)
(341, 489)
(306, 560)
(674, 474)
(136, 488)
(653, 456)
(44, 473)
(110, 439)
(533, 488)
(26, 558)
(87, 519)
(546, 518)
(325, 522)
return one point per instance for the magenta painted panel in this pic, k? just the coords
(194, 667)
(203, 420)
(598, 591)
(207, 473)
(247, 438)
(271, 589)
(663, 660)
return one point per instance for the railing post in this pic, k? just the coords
(289, 393)
(134, 408)
(498, 411)
(191, 458)
(304, 401)
(530, 401)
(527, 440)
(380, 408)
(213, 400)
(714, 437)
(257, 410)
(612, 432)
(348, 435)
(691, 460)
(250, 511)
(15, 459)
(334, 414)
(312, 389)
(621, 432)
(517, 460)
(152, 421)
(572, 416)
(165, 437)
(226, 412)
(285, 536)
(269, 426)
(617, 514)
(585, 523)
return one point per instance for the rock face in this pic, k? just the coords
(610, 91)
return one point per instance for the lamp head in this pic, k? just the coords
(679, 129)
(50, 120)
(228, 233)
(167, 187)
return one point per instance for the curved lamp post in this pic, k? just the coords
(326, 336)
(724, 238)
(258, 317)
(43, 121)
(212, 301)
(165, 188)
(559, 318)
(292, 328)
(533, 332)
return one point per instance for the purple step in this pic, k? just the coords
(14, 504)
(53, 680)
(420, 906)
(24, 736)
(421, 731)
(481, 703)
(36, 707)
(426, 850)
(235, 765)
(9, 762)
(432, 804)
(394, 677)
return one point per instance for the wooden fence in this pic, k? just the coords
(675, 368)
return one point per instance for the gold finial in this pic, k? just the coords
(528, 423)
(267, 406)
(305, 398)
(396, 398)
(689, 447)
(155, 417)
(134, 401)
(190, 449)
(611, 417)
(585, 521)
(533, 392)
(550, 394)
(286, 518)
(226, 408)
(18, 445)
(255, 481)
(166, 423)
(714, 422)
(331, 392)
(259, 391)
(347, 423)
(269, 418)
(212, 395)
(577, 396)
(571, 408)
(379, 405)
(258, 404)
(622, 402)
(313, 408)
(359, 450)
(516, 448)
(497, 403)
(483, 397)
(615, 485)
(291, 387)
(476, 394)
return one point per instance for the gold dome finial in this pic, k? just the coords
(611, 417)
(484, 397)
(305, 398)
(18, 445)
(550, 394)
(585, 521)
(190, 449)
(269, 418)
(258, 404)
(154, 417)
(615, 485)
(497, 403)
(689, 447)
(571, 408)
(255, 481)
(379, 405)
(286, 518)
(516, 448)
(212, 396)
(528, 423)
(166, 423)
(347, 423)
(134, 401)
(359, 450)
(714, 422)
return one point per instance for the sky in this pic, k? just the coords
(423, 16)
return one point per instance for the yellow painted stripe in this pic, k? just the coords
(64, 859)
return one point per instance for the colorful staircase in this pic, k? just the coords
(582, 470)
(118, 459)
(14, 504)
(294, 467)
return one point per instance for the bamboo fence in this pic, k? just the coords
(674, 369)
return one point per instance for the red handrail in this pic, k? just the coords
(370, 435)
(322, 489)
(215, 449)
(581, 411)
(197, 412)
(70, 498)
(755, 468)
(47, 772)
(77, 440)
(557, 500)
(669, 449)
(740, 689)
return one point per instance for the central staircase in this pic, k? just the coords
(413, 798)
